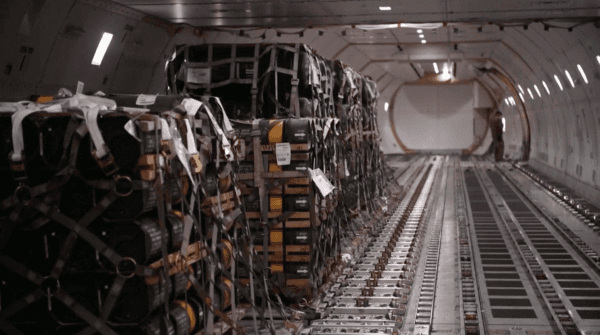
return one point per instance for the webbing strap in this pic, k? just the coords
(83, 313)
(208, 302)
(20, 304)
(37, 294)
(10, 329)
(17, 131)
(109, 304)
(254, 90)
(90, 113)
(163, 228)
(294, 94)
(213, 255)
(75, 227)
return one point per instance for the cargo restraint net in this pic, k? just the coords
(180, 213)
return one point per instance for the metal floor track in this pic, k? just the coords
(465, 252)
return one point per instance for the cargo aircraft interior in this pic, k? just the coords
(299, 167)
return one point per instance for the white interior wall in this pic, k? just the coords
(565, 136)
(438, 117)
(388, 143)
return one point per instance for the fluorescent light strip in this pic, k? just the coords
(423, 41)
(503, 124)
(422, 36)
(506, 101)
(537, 90)
(386, 106)
(546, 87)
(582, 73)
(521, 89)
(530, 94)
(558, 82)
(385, 8)
(102, 47)
(521, 96)
(598, 59)
(570, 79)
(419, 31)
(435, 67)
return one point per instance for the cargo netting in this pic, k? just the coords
(231, 198)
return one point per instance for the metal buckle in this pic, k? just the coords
(18, 168)
(106, 163)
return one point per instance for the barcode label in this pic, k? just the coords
(323, 184)
(145, 100)
(283, 152)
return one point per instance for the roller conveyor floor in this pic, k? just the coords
(473, 248)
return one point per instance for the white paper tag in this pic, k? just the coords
(79, 87)
(198, 76)
(145, 100)
(130, 128)
(283, 152)
(323, 184)
(164, 130)
(191, 105)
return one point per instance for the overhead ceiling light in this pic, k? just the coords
(530, 94)
(582, 73)
(521, 89)
(521, 96)
(506, 101)
(377, 26)
(385, 8)
(386, 106)
(435, 67)
(598, 59)
(538, 91)
(423, 41)
(570, 79)
(102, 47)
(420, 26)
(503, 124)
(422, 36)
(558, 82)
(546, 87)
(420, 31)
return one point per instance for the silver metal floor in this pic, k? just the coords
(473, 248)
